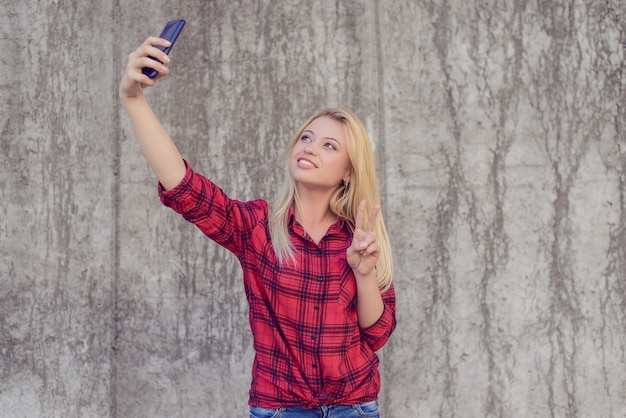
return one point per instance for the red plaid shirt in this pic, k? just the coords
(310, 350)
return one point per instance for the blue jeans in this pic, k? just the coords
(369, 409)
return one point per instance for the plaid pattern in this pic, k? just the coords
(310, 350)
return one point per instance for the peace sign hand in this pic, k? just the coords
(363, 254)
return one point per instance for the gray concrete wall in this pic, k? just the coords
(499, 133)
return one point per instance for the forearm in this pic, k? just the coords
(156, 144)
(369, 301)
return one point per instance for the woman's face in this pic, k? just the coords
(320, 157)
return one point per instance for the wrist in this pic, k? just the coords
(135, 105)
(369, 276)
(129, 99)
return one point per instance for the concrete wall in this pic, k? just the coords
(499, 132)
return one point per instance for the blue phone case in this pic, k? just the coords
(170, 32)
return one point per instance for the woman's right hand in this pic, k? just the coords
(134, 81)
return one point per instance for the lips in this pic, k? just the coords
(303, 162)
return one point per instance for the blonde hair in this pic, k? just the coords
(345, 201)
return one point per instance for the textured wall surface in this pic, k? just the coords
(500, 142)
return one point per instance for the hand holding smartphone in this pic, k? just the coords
(170, 32)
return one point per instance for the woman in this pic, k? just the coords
(317, 266)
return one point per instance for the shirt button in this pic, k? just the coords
(317, 307)
(314, 365)
(319, 279)
(313, 337)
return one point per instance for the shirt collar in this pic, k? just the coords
(337, 226)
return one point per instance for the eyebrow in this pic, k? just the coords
(328, 137)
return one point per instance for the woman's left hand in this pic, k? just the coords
(363, 254)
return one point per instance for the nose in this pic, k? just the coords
(310, 149)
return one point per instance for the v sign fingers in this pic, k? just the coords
(371, 222)
(362, 255)
(365, 231)
(360, 214)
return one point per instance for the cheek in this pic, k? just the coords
(347, 165)
(341, 169)
(296, 150)
(293, 154)
(291, 166)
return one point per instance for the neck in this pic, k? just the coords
(313, 209)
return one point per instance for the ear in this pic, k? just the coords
(347, 175)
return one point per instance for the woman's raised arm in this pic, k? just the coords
(156, 144)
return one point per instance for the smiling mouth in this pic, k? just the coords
(306, 163)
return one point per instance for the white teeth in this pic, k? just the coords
(305, 162)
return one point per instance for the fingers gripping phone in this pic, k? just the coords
(170, 32)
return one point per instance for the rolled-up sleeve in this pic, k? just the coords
(377, 335)
(226, 221)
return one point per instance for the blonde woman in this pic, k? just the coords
(317, 266)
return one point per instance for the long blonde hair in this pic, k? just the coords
(345, 201)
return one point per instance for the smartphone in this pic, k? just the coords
(170, 32)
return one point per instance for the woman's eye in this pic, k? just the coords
(305, 138)
(330, 145)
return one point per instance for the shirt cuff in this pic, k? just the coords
(376, 335)
(172, 194)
